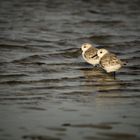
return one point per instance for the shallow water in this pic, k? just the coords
(47, 91)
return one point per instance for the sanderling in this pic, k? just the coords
(89, 54)
(109, 61)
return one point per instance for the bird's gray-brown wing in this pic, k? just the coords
(91, 53)
(110, 59)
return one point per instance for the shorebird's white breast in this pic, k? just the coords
(112, 68)
(93, 61)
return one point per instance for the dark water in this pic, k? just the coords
(47, 91)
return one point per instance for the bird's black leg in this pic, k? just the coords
(114, 75)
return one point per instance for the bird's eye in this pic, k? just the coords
(101, 52)
(84, 46)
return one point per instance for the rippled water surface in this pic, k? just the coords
(47, 91)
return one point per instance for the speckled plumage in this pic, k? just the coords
(110, 62)
(89, 54)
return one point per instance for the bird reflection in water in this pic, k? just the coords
(97, 79)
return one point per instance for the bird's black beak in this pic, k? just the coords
(80, 50)
(95, 56)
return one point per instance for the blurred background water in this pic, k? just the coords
(47, 91)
